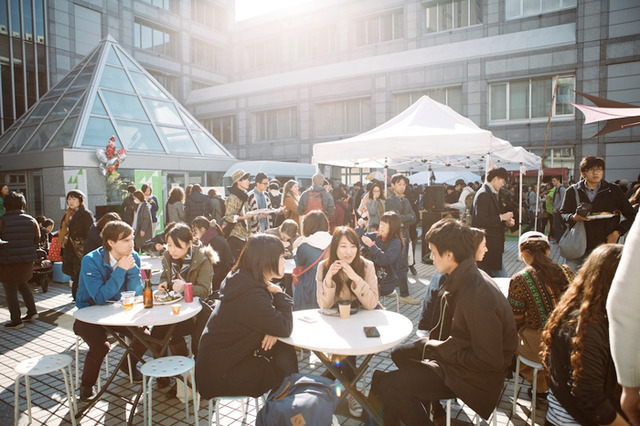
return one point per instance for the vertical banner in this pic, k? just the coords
(154, 179)
(76, 179)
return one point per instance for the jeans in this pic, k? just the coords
(11, 291)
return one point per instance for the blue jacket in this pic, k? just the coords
(99, 282)
(385, 257)
(305, 293)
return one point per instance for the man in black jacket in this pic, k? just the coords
(197, 204)
(600, 198)
(469, 350)
(486, 215)
(129, 206)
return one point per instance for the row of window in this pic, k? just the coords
(510, 101)
(202, 11)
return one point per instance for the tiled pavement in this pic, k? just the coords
(52, 333)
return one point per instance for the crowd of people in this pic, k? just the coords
(358, 244)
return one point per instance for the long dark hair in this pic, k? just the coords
(550, 273)
(260, 256)
(583, 303)
(395, 226)
(341, 278)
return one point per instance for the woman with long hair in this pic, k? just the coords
(308, 252)
(239, 352)
(210, 234)
(372, 206)
(534, 293)
(346, 275)
(577, 354)
(175, 206)
(384, 250)
(153, 203)
(290, 198)
(74, 229)
(142, 222)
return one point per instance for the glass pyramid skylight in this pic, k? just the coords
(107, 94)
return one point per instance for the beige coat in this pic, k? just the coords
(365, 290)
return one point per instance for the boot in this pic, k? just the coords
(86, 393)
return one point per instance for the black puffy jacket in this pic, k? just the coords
(23, 236)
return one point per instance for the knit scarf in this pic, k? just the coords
(180, 267)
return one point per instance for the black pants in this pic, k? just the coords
(402, 394)
(11, 290)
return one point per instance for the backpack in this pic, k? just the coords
(301, 399)
(314, 202)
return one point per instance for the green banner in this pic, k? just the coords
(154, 179)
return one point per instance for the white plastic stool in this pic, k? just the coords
(168, 366)
(106, 364)
(45, 364)
(214, 404)
(395, 294)
(476, 417)
(536, 367)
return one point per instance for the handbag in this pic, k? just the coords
(573, 242)
(299, 270)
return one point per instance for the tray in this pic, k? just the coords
(177, 299)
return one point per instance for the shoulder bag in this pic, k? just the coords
(573, 242)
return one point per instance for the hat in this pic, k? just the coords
(238, 175)
(274, 185)
(533, 236)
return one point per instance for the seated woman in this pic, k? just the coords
(309, 252)
(582, 379)
(534, 293)
(209, 233)
(384, 250)
(433, 295)
(346, 275)
(239, 353)
(287, 232)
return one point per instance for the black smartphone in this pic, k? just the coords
(371, 332)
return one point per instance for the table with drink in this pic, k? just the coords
(135, 313)
(345, 331)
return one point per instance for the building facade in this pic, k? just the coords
(330, 70)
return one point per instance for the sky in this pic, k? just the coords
(246, 9)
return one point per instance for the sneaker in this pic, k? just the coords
(408, 300)
(14, 325)
(355, 409)
(412, 268)
(30, 318)
(86, 393)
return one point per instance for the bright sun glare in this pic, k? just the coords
(246, 9)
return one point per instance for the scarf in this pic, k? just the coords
(64, 227)
(180, 267)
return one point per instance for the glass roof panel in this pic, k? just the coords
(65, 82)
(98, 108)
(124, 106)
(146, 87)
(163, 112)
(65, 105)
(112, 59)
(98, 132)
(6, 136)
(115, 78)
(84, 78)
(207, 144)
(178, 140)
(138, 136)
(40, 112)
(64, 135)
(187, 119)
(21, 137)
(127, 62)
(42, 135)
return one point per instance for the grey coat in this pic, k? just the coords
(175, 212)
(144, 224)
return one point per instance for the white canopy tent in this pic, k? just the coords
(427, 135)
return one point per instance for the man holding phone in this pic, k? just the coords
(468, 352)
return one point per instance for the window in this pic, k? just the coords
(557, 157)
(443, 15)
(522, 8)
(379, 28)
(275, 124)
(531, 98)
(320, 41)
(162, 4)
(263, 54)
(345, 117)
(206, 55)
(222, 128)
(450, 96)
(154, 38)
(209, 14)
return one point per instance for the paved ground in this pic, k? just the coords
(52, 334)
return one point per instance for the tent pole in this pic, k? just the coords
(386, 171)
(520, 204)
(538, 200)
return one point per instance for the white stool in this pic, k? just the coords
(395, 294)
(168, 366)
(214, 404)
(536, 367)
(45, 364)
(106, 364)
(476, 417)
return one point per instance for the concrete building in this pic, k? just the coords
(332, 69)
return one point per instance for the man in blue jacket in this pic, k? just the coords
(105, 273)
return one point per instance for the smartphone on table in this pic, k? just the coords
(371, 332)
